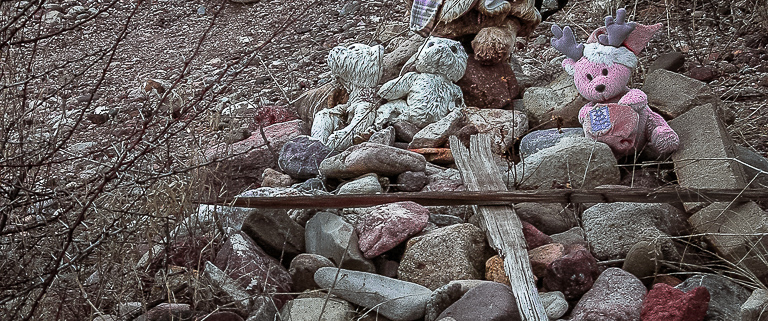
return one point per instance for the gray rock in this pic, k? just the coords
(671, 61)
(487, 301)
(445, 220)
(449, 253)
(549, 218)
(275, 232)
(411, 181)
(571, 237)
(273, 178)
(725, 297)
(436, 134)
(263, 309)
(366, 184)
(641, 261)
(404, 131)
(673, 94)
(310, 186)
(224, 287)
(558, 99)
(392, 298)
(756, 307)
(541, 139)
(372, 158)
(446, 295)
(446, 180)
(301, 157)
(313, 309)
(566, 164)
(330, 236)
(208, 216)
(613, 228)
(755, 163)
(303, 268)
(616, 293)
(506, 126)
(554, 303)
(385, 136)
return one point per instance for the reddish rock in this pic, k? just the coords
(533, 237)
(388, 225)
(253, 269)
(484, 86)
(572, 274)
(544, 255)
(242, 164)
(268, 115)
(440, 156)
(703, 73)
(667, 279)
(665, 303)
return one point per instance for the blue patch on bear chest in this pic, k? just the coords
(600, 118)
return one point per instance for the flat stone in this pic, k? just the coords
(735, 232)
(548, 218)
(554, 304)
(613, 228)
(506, 126)
(671, 61)
(386, 226)
(301, 157)
(487, 301)
(754, 164)
(449, 253)
(488, 86)
(565, 165)
(254, 270)
(241, 164)
(754, 309)
(665, 303)
(308, 309)
(392, 298)
(545, 138)
(672, 94)
(573, 274)
(303, 268)
(436, 134)
(559, 100)
(726, 297)
(385, 136)
(224, 288)
(372, 158)
(366, 184)
(616, 293)
(275, 232)
(330, 236)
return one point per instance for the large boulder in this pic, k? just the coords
(726, 297)
(556, 105)
(673, 94)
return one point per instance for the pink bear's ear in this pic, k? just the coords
(568, 65)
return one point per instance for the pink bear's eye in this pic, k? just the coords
(589, 76)
(605, 72)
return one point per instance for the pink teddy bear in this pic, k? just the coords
(615, 115)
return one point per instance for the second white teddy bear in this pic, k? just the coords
(430, 93)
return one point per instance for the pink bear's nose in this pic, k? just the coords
(600, 88)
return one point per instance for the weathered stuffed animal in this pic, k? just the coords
(358, 69)
(430, 93)
(601, 69)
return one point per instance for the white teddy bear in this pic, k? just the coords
(430, 93)
(358, 68)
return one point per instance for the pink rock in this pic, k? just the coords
(533, 237)
(544, 255)
(254, 270)
(268, 115)
(572, 274)
(665, 303)
(388, 225)
(242, 164)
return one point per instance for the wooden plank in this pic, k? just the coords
(501, 224)
(634, 195)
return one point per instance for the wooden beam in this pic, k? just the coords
(502, 226)
(632, 195)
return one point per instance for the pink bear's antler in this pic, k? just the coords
(564, 41)
(618, 30)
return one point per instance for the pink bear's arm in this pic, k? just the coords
(584, 111)
(635, 98)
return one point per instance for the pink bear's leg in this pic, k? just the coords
(663, 140)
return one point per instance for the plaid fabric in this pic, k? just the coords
(424, 15)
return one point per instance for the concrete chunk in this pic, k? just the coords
(673, 94)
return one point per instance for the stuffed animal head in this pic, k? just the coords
(441, 56)
(601, 69)
(357, 65)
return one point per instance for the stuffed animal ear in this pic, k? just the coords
(568, 65)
